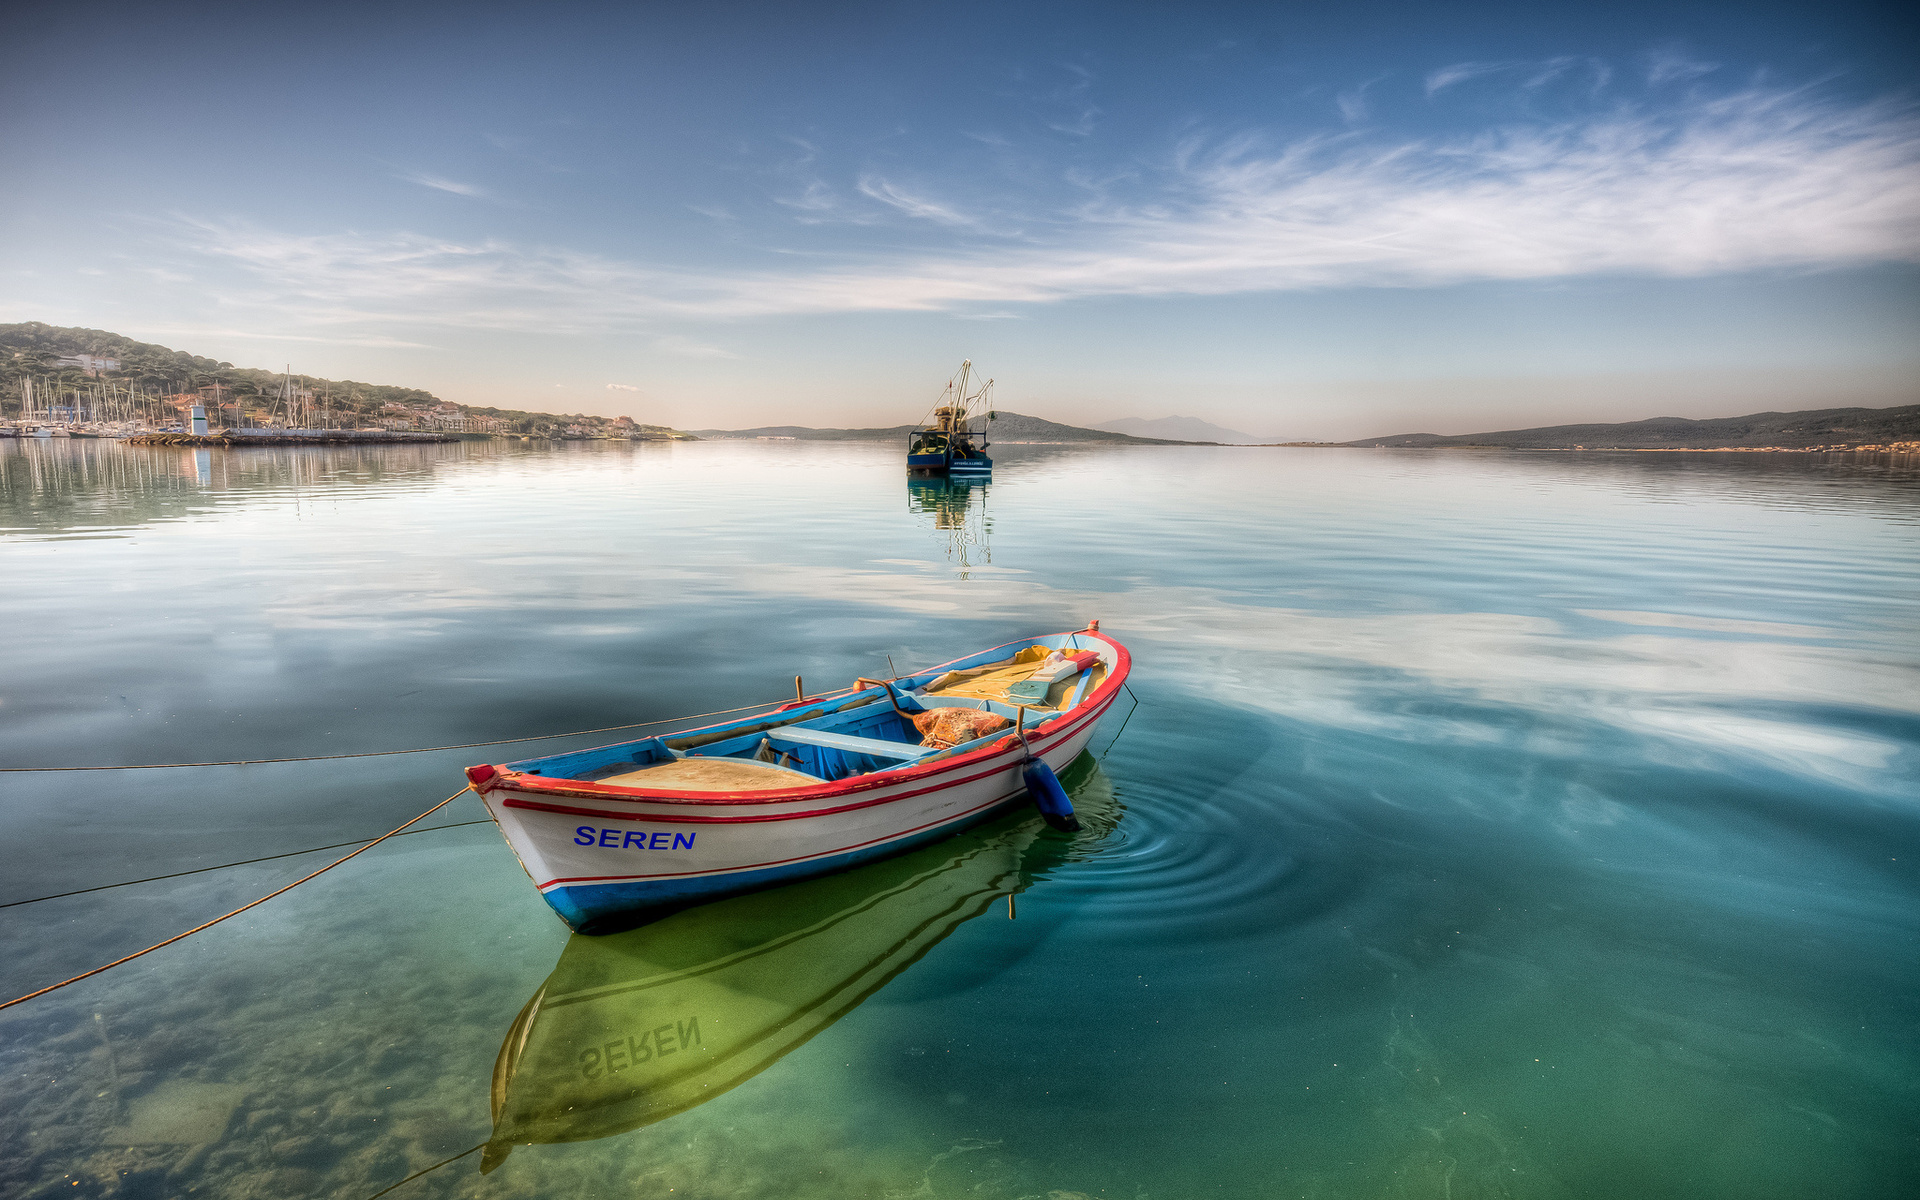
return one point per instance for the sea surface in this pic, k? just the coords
(1488, 825)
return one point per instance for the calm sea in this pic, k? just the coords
(1489, 825)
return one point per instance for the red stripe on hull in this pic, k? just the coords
(746, 818)
(1096, 706)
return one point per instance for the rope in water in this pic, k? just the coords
(236, 912)
(1123, 724)
(429, 829)
(424, 1170)
(538, 737)
(223, 866)
(397, 831)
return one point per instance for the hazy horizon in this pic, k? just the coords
(1296, 222)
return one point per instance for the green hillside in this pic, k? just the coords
(29, 350)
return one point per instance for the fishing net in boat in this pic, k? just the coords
(944, 727)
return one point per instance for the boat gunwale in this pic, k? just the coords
(744, 818)
(1094, 704)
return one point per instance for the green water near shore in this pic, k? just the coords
(1490, 825)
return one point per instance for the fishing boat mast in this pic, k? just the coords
(947, 442)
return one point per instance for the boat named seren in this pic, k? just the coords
(622, 834)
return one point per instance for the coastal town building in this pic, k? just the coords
(91, 364)
(459, 422)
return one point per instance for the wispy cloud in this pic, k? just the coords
(1531, 73)
(1670, 63)
(1751, 180)
(912, 205)
(448, 185)
(814, 196)
(1446, 77)
(622, 387)
(801, 186)
(686, 347)
(1353, 102)
(378, 341)
(1074, 96)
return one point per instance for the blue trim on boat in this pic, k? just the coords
(608, 907)
(579, 764)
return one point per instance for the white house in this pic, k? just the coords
(89, 363)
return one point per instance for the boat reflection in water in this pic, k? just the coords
(632, 1028)
(958, 506)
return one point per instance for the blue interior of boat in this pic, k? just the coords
(853, 734)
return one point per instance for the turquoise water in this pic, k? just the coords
(1530, 825)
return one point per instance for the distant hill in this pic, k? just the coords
(1007, 427)
(805, 433)
(1838, 428)
(34, 350)
(1183, 429)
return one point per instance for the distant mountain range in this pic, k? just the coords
(1829, 427)
(1007, 427)
(1180, 429)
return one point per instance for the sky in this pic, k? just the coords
(1327, 220)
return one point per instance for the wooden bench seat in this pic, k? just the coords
(877, 747)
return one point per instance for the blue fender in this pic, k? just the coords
(1049, 797)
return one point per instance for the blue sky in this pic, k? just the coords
(1301, 220)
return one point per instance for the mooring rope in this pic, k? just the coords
(538, 737)
(1123, 724)
(242, 863)
(422, 1171)
(398, 831)
(236, 912)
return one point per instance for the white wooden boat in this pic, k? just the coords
(621, 834)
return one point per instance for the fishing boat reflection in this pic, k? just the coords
(632, 1028)
(958, 506)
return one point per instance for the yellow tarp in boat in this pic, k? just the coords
(992, 681)
(711, 775)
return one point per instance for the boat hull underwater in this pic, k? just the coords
(808, 788)
(635, 1027)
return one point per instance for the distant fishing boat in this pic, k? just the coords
(705, 1000)
(949, 444)
(621, 834)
